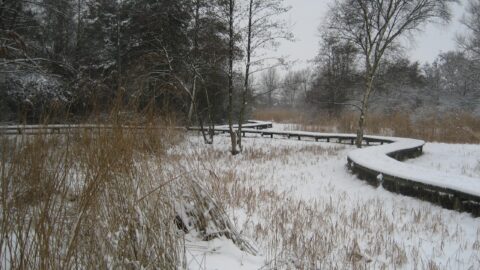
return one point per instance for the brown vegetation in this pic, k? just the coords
(102, 198)
(451, 128)
(73, 201)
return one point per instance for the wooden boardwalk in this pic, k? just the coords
(444, 196)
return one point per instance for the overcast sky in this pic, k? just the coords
(306, 15)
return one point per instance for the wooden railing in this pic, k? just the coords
(63, 129)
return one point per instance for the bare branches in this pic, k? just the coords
(380, 22)
(375, 25)
(471, 43)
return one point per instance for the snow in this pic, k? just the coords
(376, 158)
(305, 201)
(218, 254)
(458, 159)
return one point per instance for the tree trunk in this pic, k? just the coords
(192, 101)
(119, 54)
(78, 37)
(211, 126)
(202, 129)
(361, 125)
(233, 135)
(364, 110)
(195, 48)
(247, 76)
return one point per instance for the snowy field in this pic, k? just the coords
(299, 204)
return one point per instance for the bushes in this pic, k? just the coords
(28, 96)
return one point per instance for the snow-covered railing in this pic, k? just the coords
(251, 124)
(258, 127)
(65, 128)
(62, 128)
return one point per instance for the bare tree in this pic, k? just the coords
(305, 78)
(196, 18)
(336, 77)
(264, 29)
(459, 76)
(375, 27)
(291, 85)
(455, 82)
(231, 56)
(471, 43)
(270, 83)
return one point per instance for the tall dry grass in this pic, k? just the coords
(280, 115)
(449, 128)
(76, 201)
(104, 197)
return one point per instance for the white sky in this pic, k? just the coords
(306, 16)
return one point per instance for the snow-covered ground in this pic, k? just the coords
(297, 201)
(460, 159)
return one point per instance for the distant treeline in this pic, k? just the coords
(335, 82)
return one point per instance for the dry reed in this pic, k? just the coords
(455, 127)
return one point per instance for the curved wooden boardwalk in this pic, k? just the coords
(381, 165)
(378, 165)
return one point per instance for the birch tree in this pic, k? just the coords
(376, 27)
(264, 29)
(230, 73)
